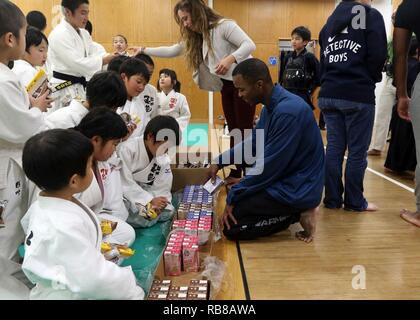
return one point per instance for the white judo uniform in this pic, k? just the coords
(72, 53)
(68, 117)
(175, 105)
(17, 124)
(141, 109)
(143, 180)
(63, 258)
(24, 71)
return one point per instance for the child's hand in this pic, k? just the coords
(131, 127)
(159, 203)
(43, 102)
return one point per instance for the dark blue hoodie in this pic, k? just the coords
(352, 57)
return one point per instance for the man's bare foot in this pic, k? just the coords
(308, 222)
(372, 207)
(411, 217)
(374, 152)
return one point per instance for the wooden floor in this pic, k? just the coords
(380, 246)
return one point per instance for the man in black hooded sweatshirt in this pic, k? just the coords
(353, 54)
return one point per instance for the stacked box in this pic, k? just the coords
(165, 290)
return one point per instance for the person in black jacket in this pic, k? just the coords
(353, 54)
(300, 74)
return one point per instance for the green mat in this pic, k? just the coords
(197, 135)
(149, 246)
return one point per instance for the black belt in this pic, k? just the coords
(73, 79)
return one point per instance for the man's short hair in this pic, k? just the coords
(72, 5)
(253, 70)
(52, 157)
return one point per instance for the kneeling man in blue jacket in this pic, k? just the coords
(285, 181)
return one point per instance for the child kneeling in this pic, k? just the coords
(146, 172)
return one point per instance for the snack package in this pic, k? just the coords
(147, 211)
(115, 252)
(108, 227)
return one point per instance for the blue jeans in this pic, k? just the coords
(349, 127)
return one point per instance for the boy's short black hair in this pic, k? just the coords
(116, 63)
(106, 89)
(72, 5)
(253, 70)
(134, 67)
(302, 32)
(12, 18)
(160, 124)
(89, 27)
(36, 19)
(145, 58)
(52, 157)
(34, 37)
(104, 123)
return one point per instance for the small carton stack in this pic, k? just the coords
(166, 290)
(181, 254)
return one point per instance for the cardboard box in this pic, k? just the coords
(189, 176)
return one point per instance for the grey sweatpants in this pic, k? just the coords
(415, 117)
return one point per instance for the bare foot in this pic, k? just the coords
(372, 207)
(411, 217)
(308, 222)
(374, 152)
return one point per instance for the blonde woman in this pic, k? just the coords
(213, 46)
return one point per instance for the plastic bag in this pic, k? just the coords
(215, 271)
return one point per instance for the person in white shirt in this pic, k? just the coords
(146, 172)
(142, 103)
(73, 57)
(63, 237)
(105, 89)
(21, 117)
(35, 56)
(172, 102)
(213, 46)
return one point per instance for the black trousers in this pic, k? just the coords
(261, 215)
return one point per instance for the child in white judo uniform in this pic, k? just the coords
(172, 102)
(63, 242)
(20, 118)
(141, 105)
(146, 172)
(106, 129)
(120, 44)
(35, 56)
(73, 57)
